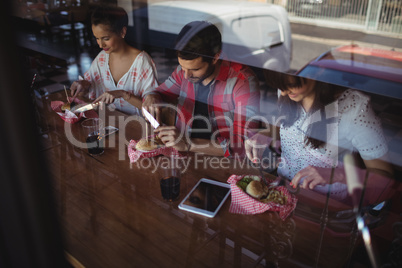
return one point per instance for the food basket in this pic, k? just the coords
(243, 203)
(69, 116)
(135, 154)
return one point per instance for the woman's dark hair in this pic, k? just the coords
(115, 17)
(198, 39)
(316, 134)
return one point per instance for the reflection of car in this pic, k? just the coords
(308, 8)
(311, 6)
(256, 34)
(369, 69)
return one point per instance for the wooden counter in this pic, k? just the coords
(113, 215)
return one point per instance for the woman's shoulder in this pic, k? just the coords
(352, 98)
(143, 55)
(102, 55)
(353, 102)
(352, 94)
(101, 58)
(132, 52)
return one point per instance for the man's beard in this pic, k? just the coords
(210, 70)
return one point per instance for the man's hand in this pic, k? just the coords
(152, 103)
(171, 137)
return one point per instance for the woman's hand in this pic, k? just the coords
(256, 145)
(109, 96)
(171, 137)
(79, 86)
(314, 176)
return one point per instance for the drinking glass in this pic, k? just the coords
(170, 181)
(93, 137)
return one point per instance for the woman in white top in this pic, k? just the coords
(320, 123)
(120, 74)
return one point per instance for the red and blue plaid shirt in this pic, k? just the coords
(233, 104)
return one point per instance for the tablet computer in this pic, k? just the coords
(206, 197)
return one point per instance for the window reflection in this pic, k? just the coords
(265, 40)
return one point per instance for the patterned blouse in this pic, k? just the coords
(354, 128)
(139, 79)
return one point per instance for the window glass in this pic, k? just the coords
(351, 49)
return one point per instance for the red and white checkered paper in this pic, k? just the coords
(71, 117)
(134, 154)
(242, 203)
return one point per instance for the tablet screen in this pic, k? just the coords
(206, 197)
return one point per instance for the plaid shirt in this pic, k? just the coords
(233, 100)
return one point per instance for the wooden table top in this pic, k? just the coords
(113, 215)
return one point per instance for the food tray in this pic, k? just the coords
(243, 203)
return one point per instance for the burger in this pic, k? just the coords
(149, 144)
(253, 186)
(257, 189)
(67, 106)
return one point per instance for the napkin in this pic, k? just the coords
(69, 116)
(242, 203)
(134, 154)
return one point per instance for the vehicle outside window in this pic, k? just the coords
(255, 34)
(322, 231)
(372, 70)
(321, 7)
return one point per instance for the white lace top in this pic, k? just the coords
(354, 127)
(140, 78)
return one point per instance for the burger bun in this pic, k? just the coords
(148, 145)
(257, 189)
(67, 106)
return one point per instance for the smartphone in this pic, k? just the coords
(206, 198)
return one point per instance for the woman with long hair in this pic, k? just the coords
(319, 124)
(120, 74)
